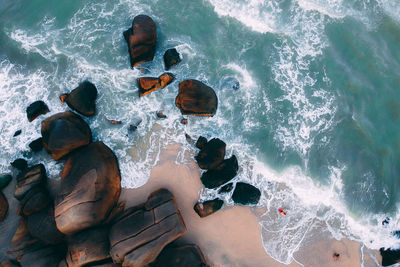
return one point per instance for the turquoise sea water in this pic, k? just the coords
(315, 123)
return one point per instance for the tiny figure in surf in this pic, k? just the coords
(336, 256)
(282, 212)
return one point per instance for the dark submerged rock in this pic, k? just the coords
(246, 194)
(141, 39)
(226, 188)
(212, 154)
(42, 226)
(390, 256)
(83, 99)
(63, 133)
(36, 109)
(180, 256)
(20, 164)
(3, 207)
(135, 124)
(222, 174)
(30, 178)
(90, 188)
(5, 180)
(141, 232)
(196, 98)
(17, 133)
(201, 142)
(208, 207)
(171, 57)
(36, 145)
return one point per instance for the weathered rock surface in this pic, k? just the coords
(5, 180)
(30, 178)
(42, 226)
(90, 188)
(83, 99)
(3, 207)
(196, 98)
(88, 247)
(45, 256)
(390, 256)
(22, 240)
(180, 256)
(208, 207)
(201, 142)
(36, 109)
(20, 164)
(36, 145)
(149, 84)
(64, 132)
(141, 39)
(222, 174)
(246, 194)
(35, 200)
(171, 57)
(212, 154)
(139, 235)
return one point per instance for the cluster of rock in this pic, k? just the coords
(219, 172)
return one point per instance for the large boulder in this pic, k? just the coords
(64, 132)
(208, 207)
(141, 232)
(90, 246)
(35, 176)
(36, 109)
(45, 256)
(141, 39)
(246, 194)
(180, 256)
(82, 99)
(212, 154)
(222, 174)
(196, 98)
(171, 57)
(3, 207)
(22, 241)
(43, 226)
(90, 188)
(35, 200)
(36, 145)
(149, 84)
(390, 256)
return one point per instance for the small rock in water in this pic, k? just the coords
(17, 133)
(230, 83)
(184, 121)
(161, 115)
(208, 207)
(3, 207)
(135, 124)
(114, 121)
(5, 180)
(226, 188)
(189, 139)
(36, 145)
(201, 142)
(246, 194)
(171, 57)
(20, 164)
(36, 109)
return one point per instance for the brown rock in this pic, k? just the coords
(88, 247)
(64, 132)
(222, 174)
(208, 207)
(184, 121)
(201, 142)
(166, 79)
(82, 99)
(36, 109)
(149, 84)
(161, 115)
(141, 39)
(211, 155)
(196, 98)
(90, 188)
(141, 232)
(22, 240)
(35, 200)
(3, 207)
(42, 226)
(30, 178)
(180, 256)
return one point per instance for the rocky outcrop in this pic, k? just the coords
(246, 194)
(88, 247)
(90, 188)
(33, 177)
(141, 232)
(208, 207)
(180, 256)
(63, 133)
(82, 99)
(222, 174)
(141, 39)
(36, 109)
(149, 84)
(212, 154)
(196, 98)
(3, 207)
(35, 200)
(36, 145)
(171, 57)
(42, 226)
